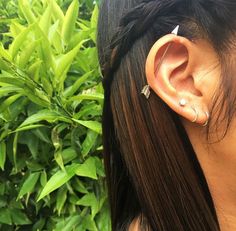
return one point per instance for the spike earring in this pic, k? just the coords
(146, 88)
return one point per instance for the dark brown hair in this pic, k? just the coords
(151, 168)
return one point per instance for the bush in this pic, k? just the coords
(51, 98)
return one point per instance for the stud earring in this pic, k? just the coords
(208, 116)
(183, 102)
(196, 114)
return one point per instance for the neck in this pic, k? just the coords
(218, 162)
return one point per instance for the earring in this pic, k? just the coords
(208, 116)
(196, 116)
(146, 91)
(183, 102)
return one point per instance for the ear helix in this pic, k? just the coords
(146, 91)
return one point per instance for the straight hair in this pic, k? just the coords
(152, 171)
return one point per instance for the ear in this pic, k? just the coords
(174, 68)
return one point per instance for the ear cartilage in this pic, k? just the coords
(146, 89)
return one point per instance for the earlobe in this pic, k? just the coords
(171, 73)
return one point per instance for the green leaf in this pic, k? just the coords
(65, 61)
(79, 186)
(58, 179)
(4, 53)
(92, 96)
(45, 21)
(33, 70)
(103, 219)
(72, 89)
(19, 40)
(43, 178)
(57, 11)
(29, 127)
(27, 53)
(58, 158)
(69, 223)
(61, 199)
(94, 17)
(45, 50)
(16, 28)
(87, 169)
(68, 155)
(69, 21)
(19, 218)
(5, 216)
(55, 38)
(90, 200)
(26, 10)
(2, 154)
(4, 91)
(39, 224)
(89, 223)
(49, 116)
(93, 125)
(89, 142)
(29, 184)
(10, 100)
(100, 166)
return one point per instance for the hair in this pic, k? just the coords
(152, 171)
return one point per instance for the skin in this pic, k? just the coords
(191, 70)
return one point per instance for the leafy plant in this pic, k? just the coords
(51, 98)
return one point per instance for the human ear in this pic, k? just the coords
(174, 71)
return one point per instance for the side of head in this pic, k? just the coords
(150, 164)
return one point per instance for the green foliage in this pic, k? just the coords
(51, 98)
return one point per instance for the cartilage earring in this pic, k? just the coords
(196, 114)
(208, 116)
(146, 91)
(183, 102)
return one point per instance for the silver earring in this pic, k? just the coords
(196, 114)
(183, 102)
(146, 88)
(146, 91)
(208, 116)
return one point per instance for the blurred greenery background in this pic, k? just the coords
(51, 98)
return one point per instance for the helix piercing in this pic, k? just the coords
(208, 116)
(146, 88)
(196, 112)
